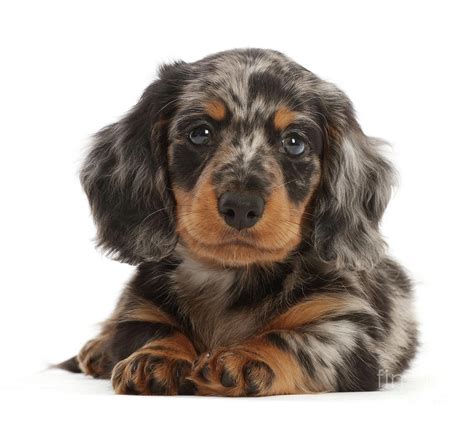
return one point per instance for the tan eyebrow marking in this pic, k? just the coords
(216, 109)
(283, 117)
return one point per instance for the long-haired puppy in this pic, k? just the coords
(244, 190)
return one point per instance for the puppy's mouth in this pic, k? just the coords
(243, 240)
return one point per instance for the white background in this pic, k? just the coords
(68, 69)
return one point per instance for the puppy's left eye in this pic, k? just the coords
(294, 145)
(200, 135)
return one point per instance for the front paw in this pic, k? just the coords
(92, 360)
(232, 373)
(152, 373)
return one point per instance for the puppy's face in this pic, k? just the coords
(226, 156)
(244, 157)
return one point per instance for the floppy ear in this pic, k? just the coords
(125, 176)
(356, 187)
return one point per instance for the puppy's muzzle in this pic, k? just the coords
(241, 210)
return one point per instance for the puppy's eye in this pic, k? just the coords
(200, 135)
(293, 145)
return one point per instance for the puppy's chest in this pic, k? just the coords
(205, 296)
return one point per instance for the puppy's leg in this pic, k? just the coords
(147, 358)
(142, 349)
(160, 367)
(254, 368)
(323, 344)
(93, 359)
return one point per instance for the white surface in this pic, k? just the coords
(68, 69)
(60, 396)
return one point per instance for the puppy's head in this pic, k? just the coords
(242, 156)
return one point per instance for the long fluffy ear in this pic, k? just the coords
(126, 180)
(356, 187)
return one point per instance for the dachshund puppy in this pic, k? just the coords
(249, 198)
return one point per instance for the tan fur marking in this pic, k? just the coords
(178, 345)
(216, 109)
(289, 378)
(283, 117)
(307, 311)
(144, 311)
(206, 234)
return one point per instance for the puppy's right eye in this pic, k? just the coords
(200, 135)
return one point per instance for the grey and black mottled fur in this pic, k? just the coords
(325, 310)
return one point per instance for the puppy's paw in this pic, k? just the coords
(92, 360)
(152, 373)
(232, 373)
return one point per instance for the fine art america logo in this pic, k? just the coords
(388, 380)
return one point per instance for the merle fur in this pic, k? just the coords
(127, 179)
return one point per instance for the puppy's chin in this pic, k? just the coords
(236, 253)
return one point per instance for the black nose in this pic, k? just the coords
(240, 210)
